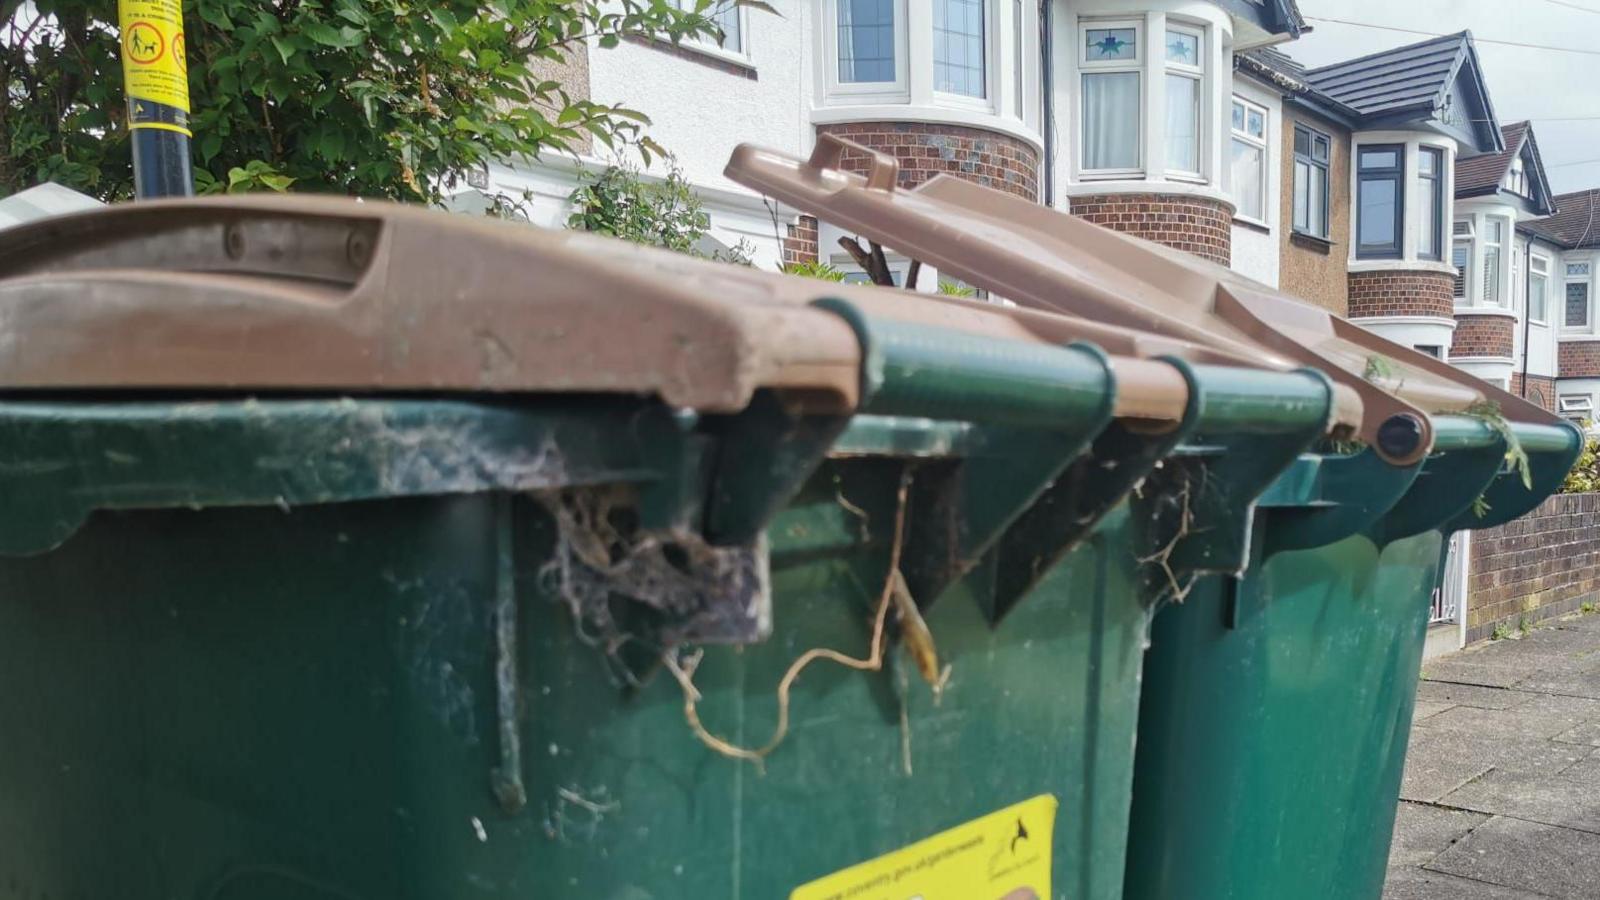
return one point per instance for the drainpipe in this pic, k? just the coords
(1048, 76)
(1527, 305)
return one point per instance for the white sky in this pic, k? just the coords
(1524, 83)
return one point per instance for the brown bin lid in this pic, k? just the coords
(1048, 260)
(271, 293)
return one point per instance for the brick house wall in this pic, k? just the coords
(1578, 359)
(800, 244)
(1196, 225)
(1484, 336)
(1400, 294)
(1543, 565)
(1310, 269)
(927, 149)
(1541, 390)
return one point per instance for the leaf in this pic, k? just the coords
(284, 47)
(324, 34)
(279, 183)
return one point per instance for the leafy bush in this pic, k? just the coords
(820, 270)
(1585, 475)
(667, 213)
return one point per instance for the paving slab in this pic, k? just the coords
(1426, 708)
(1586, 770)
(1461, 671)
(1549, 799)
(1423, 831)
(1439, 761)
(1410, 883)
(1545, 859)
(1542, 716)
(1471, 695)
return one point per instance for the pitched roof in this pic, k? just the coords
(1485, 172)
(1576, 223)
(1482, 175)
(1414, 79)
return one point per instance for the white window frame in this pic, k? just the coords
(1139, 66)
(699, 45)
(989, 102)
(1468, 237)
(1196, 73)
(896, 91)
(1264, 144)
(1536, 262)
(1505, 296)
(1576, 408)
(1586, 278)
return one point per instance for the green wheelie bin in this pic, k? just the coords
(353, 550)
(1291, 601)
(361, 551)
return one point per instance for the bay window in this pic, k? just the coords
(1461, 256)
(1538, 289)
(1430, 200)
(1578, 313)
(1494, 242)
(1248, 168)
(1380, 204)
(1184, 79)
(1312, 150)
(1112, 98)
(959, 47)
(868, 41)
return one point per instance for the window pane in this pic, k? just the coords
(1378, 204)
(1238, 117)
(1302, 196)
(1183, 123)
(1247, 186)
(1463, 227)
(1319, 202)
(1111, 120)
(1491, 275)
(1461, 258)
(1538, 303)
(958, 47)
(727, 18)
(1380, 159)
(1428, 200)
(1110, 43)
(1302, 141)
(1258, 124)
(866, 41)
(1016, 52)
(1319, 149)
(1578, 269)
(1427, 162)
(1496, 231)
(1577, 306)
(1183, 48)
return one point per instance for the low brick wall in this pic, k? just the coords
(1492, 336)
(1192, 224)
(1401, 294)
(926, 149)
(1543, 565)
(1579, 359)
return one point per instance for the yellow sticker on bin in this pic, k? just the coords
(154, 67)
(1002, 856)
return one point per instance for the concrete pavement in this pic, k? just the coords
(1501, 798)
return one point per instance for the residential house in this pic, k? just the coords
(1382, 188)
(1565, 258)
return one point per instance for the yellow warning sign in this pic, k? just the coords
(153, 64)
(1002, 856)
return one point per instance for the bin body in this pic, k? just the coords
(300, 702)
(1273, 732)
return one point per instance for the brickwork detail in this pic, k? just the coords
(1401, 294)
(1193, 224)
(800, 245)
(1484, 336)
(1541, 390)
(1578, 359)
(1543, 565)
(926, 149)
